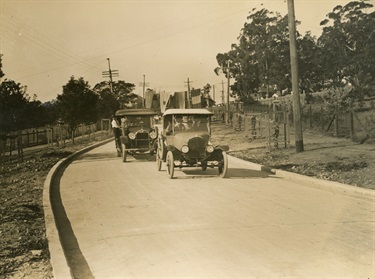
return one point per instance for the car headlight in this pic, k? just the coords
(132, 136)
(185, 149)
(153, 135)
(210, 148)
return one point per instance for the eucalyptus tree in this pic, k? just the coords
(348, 47)
(261, 57)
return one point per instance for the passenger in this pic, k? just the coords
(187, 123)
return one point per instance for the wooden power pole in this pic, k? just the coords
(294, 67)
(188, 92)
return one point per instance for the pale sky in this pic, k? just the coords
(45, 42)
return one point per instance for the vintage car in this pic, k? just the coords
(139, 132)
(185, 142)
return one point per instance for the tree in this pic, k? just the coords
(13, 103)
(348, 47)
(261, 58)
(309, 67)
(77, 104)
(1, 66)
(121, 97)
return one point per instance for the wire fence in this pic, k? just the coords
(51, 136)
(273, 121)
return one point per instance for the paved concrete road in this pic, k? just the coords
(128, 220)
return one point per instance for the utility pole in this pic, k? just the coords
(144, 84)
(222, 92)
(110, 73)
(227, 104)
(294, 68)
(213, 92)
(188, 96)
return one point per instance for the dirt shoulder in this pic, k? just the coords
(24, 249)
(324, 157)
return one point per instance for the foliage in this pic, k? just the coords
(77, 104)
(110, 100)
(13, 103)
(1, 67)
(345, 51)
(260, 59)
(348, 47)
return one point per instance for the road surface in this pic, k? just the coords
(128, 220)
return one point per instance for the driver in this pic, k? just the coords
(187, 123)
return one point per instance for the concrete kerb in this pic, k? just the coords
(59, 264)
(316, 182)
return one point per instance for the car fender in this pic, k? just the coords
(222, 147)
(124, 139)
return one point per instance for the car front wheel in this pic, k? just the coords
(170, 164)
(158, 158)
(223, 165)
(123, 153)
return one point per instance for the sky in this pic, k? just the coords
(166, 43)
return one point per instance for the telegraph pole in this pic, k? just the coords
(144, 84)
(227, 104)
(294, 68)
(222, 92)
(213, 92)
(188, 96)
(110, 73)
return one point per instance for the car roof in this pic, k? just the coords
(201, 111)
(140, 112)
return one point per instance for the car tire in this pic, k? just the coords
(170, 164)
(204, 166)
(158, 158)
(223, 165)
(123, 153)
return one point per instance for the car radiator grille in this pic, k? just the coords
(141, 140)
(197, 147)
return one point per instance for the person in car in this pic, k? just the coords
(186, 123)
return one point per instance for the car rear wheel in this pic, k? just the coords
(170, 164)
(223, 165)
(123, 153)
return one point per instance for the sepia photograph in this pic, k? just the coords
(187, 139)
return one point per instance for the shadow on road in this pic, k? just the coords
(77, 263)
(246, 173)
(232, 173)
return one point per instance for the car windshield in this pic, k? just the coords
(182, 123)
(133, 121)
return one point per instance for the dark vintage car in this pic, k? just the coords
(139, 132)
(185, 142)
